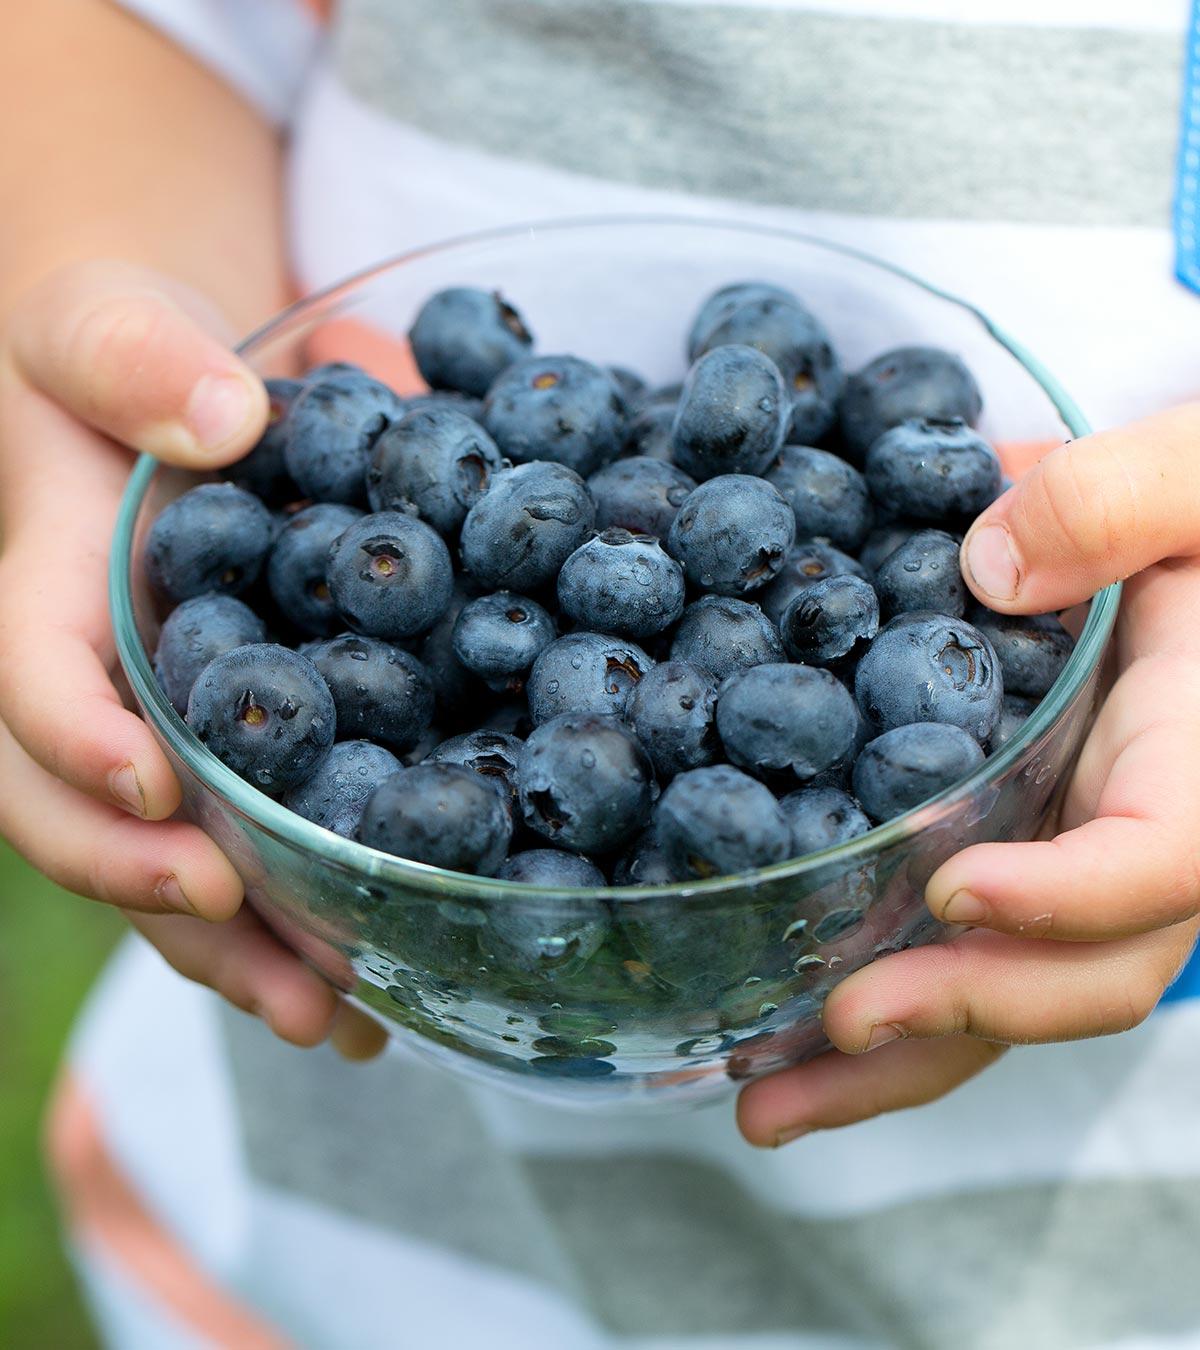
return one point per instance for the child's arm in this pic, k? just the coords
(1079, 935)
(116, 146)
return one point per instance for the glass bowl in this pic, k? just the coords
(669, 994)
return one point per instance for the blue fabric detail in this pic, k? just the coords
(1187, 982)
(1187, 269)
(1187, 190)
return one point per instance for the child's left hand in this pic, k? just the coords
(1078, 935)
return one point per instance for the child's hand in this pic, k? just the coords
(99, 357)
(1079, 935)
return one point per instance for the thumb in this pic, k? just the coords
(134, 355)
(1090, 513)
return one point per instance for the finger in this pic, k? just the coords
(56, 695)
(1008, 989)
(1092, 512)
(114, 346)
(837, 1089)
(61, 705)
(1134, 868)
(356, 1036)
(100, 852)
(250, 968)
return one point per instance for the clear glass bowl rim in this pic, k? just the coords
(275, 819)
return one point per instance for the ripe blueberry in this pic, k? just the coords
(440, 814)
(522, 530)
(212, 538)
(265, 712)
(732, 535)
(621, 583)
(390, 575)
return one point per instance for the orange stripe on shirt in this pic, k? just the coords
(103, 1210)
(321, 10)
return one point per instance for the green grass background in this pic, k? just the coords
(51, 946)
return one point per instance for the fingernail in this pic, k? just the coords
(173, 896)
(964, 907)
(883, 1033)
(127, 791)
(993, 562)
(792, 1132)
(218, 408)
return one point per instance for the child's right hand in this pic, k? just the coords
(99, 357)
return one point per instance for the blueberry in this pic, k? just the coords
(331, 429)
(732, 535)
(297, 563)
(463, 338)
(693, 944)
(200, 629)
(337, 792)
(828, 497)
(922, 573)
(810, 561)
(585, 673)
(1014, 712)
(491, 754)
(933, 470)
(265, 712)
(390, 575)
(639, 494)
(722, 303)
(883, 540)
(629, 382)
(552, 939)
(799, 345)
(585, 783)
(446, 400)
(733, 414)
(381, 692)
(776, 719)
(528, 523)
(213, 538)
(436, 463)
(907, 382)
(1032, 648)
(557, 408)
(498, 637)
(440, 814)
(830, 620)
(718, 821)
(550, 867)
(723, 635)
(673, 714)
(644, 863)
(822, 818)
(328, 370)
(648, 434)
(909, 764)
(621, 583)
(926, 667)
(262, 470)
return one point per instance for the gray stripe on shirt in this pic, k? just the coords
(899, 118)
(661, 1244)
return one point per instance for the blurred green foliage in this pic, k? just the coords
(51, 946)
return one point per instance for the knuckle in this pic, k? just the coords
(1085, 494)
(115, 338)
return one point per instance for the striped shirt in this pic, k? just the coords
(1025, 155)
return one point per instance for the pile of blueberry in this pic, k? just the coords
(549, 625)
